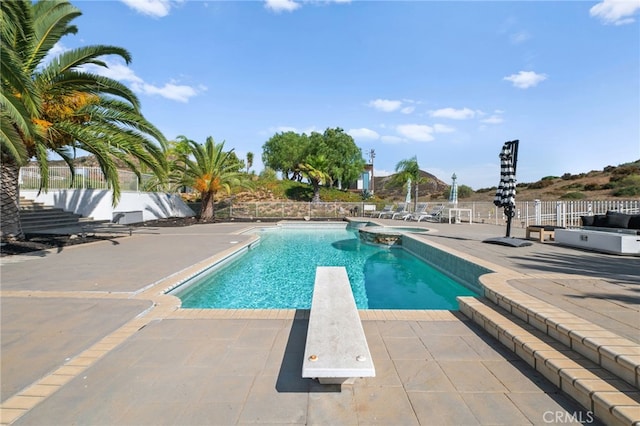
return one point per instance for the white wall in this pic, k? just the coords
(96, 203)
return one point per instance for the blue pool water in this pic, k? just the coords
(279, 273)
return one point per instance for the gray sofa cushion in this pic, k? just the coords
(617, 220)
(634, 221)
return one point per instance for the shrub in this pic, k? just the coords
(483, 190)
(573, 196)
(629, 186)
(542, 183)
(627, 191)
(591, 187)
(622, 172)
(577, 186)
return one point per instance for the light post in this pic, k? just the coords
(372, 155)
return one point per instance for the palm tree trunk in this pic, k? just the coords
(10, 200)
(316, 191)
(207, 213)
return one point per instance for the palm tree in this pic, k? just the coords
(315, 168)
(249, 160)
(409, 169)
(209, 170)
(19, 101)
(65, 107)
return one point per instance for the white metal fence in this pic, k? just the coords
(559, 213)
(84, 178)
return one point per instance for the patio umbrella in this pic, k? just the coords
(453, 195)
(506, 193)
(408, 198)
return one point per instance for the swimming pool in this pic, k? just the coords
(279, 273)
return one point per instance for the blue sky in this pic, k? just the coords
(448, 82)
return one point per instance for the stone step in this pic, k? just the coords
(38, 218)
(607, 349)
(610, 399)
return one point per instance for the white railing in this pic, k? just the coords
(85, 178)
(559, 213)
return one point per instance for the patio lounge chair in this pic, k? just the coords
(434, 215)
(386, 210)
(400, 209)
(421, 208)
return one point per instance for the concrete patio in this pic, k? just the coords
(89, 338)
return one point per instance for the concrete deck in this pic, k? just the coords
(88, 338)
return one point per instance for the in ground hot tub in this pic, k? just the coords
(390, 236)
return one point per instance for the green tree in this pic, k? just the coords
(284, 151)
(345, 162)
(464, 191)
(63, 107)
(208, 169)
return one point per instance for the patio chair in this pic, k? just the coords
(400, 209)
(421, 208)
(387, 209)
(434, 215)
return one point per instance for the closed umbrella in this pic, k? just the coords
(453, 195)
(506, 193)
(408, 198)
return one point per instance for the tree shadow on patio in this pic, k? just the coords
(612, 267)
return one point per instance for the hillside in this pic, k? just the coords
(621, 181)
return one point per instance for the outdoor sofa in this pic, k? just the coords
(613, 232)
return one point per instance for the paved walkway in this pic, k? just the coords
(87, 338)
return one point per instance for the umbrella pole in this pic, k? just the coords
(510, 213)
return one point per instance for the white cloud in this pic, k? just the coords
(121, 72)
(155, 8)
(385, 105)
(363, 134)
(454, 114)
(408, 109)
(441, 128)
(116, 71)
(519, 37)
(281, 5)
(416, 132)
(525, 79)
(494, 119)
(391, 139)
(180, 93)
(616, 12)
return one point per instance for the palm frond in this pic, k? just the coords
(50, 23)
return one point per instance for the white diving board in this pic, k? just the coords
(336, 351)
